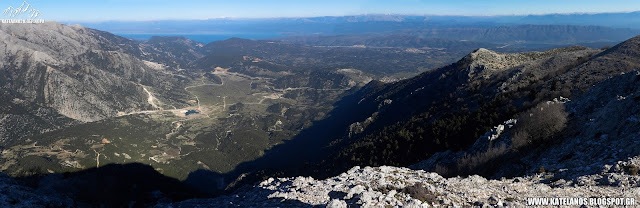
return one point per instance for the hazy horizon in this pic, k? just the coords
(351, 15)
(147, 10)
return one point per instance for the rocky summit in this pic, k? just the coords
(387, 186)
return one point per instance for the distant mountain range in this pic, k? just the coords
(336, 25)
(498, 38)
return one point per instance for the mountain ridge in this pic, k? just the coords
(236, 114)
(567, 165)
(393, 125)
(77, 71)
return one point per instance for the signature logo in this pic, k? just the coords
(25, 13)
(25, 9)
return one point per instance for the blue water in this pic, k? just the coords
(191, 112)
(205, 38)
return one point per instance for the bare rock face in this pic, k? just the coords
(175, 52)
(83, 74)
(484, 63)
(497, 61)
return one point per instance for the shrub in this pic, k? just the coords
(479, 161)
(541, 170)
(539, 124)
(632, 169)
(420, 192)
(520, 138)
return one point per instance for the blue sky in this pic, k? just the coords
(141, 10)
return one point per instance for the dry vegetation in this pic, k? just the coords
(539, 124)
(535, 127)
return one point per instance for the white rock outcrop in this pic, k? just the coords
(387, 187)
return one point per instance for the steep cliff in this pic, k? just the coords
(82, 74)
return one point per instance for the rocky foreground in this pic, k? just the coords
(402, 187)
(382, 187)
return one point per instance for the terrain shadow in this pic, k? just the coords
(140, 185)
(114, 185)
(294, 156)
